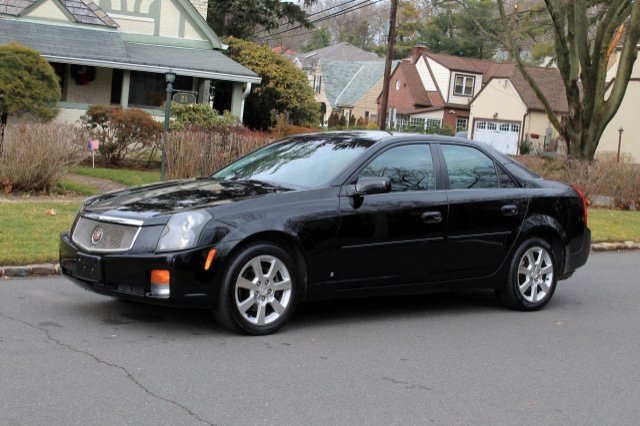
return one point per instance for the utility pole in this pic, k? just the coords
(384, 100)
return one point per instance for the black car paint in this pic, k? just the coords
(346, 244)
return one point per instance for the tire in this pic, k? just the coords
(531, 278)
(258, 303)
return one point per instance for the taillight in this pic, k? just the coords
(583, 196)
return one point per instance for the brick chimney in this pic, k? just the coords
(418, 50)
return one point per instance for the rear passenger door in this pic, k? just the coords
(486, 210)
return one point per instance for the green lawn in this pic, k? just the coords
(614, 225)
(66, 186)
(29, 231)
(124, 176)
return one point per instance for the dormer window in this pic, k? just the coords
(464, 85)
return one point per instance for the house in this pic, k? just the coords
(119, 52)
(506, 110)
(435, 91)
(346, 79)
(627, 118)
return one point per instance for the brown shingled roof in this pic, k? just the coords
(551, 84)
(414, 83)
(83, 11)
(488, 69)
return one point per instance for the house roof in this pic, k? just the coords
(342, 52)
(86, 46)
(488, 69)
(346, 82)
(551, 84)
(414, 83)
(83, 11)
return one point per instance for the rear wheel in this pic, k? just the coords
(532, 276)
(259, 291)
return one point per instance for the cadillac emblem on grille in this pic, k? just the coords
(96, 235)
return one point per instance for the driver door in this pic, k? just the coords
(396, 237)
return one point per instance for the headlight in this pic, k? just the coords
(183, 231)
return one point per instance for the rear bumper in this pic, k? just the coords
(577, 254)
(126, 276)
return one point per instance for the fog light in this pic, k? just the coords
(160, 279)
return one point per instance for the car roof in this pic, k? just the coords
(380, 136)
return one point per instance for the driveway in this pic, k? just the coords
(72, 357)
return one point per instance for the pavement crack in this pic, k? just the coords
(407, 385)
(99, 360)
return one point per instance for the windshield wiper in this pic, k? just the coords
(265, 183)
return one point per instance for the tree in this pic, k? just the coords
(284, 87)
(585, 33)
(28, 84)
(242, 18)
(319, 38)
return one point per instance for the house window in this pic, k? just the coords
(433, 123)
(398, 85)
(504, 127)
(462, 124)
(464, 85)
(417, 122)
(515, 128)
(150, 89)
(491, 126)
(317, 83)
(481, 125)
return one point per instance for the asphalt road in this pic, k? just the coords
(71, 357)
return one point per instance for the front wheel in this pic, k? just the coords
(532, 276)
(259, 291)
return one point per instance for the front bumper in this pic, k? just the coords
(126, 276)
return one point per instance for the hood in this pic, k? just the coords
(144, 202)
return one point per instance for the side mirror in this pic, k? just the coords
(373, 185)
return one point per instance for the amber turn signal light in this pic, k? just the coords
(210, 257)
(160, 276)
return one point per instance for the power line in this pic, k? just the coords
(353, 8)
(326, 28)
(308, 16)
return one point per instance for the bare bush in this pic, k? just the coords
(604, 176)
(195, 153)
(36, 155)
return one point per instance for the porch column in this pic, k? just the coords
(124, 93)
(237, 101)
(203, 92)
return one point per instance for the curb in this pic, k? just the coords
(38, 270)
(45, 269)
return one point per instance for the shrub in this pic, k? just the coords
(28, 84)
(122, 132)
(361, 122)
(372, 126)
(334, 120)
(284, 127)
(342, 122)
(284, 86)
(36, 155)
(601, 177)
(352, 121)
(199, 153)
(199, 115)
(526, 146)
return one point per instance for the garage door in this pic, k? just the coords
(500, 135)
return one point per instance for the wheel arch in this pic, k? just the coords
(550, 230)
(283, 240)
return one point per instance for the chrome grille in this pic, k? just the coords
(100, 236)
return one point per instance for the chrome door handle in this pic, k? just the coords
(509, 210)
(432, 217)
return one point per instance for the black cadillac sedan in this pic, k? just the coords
(332, 215)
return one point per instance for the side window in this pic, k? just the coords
(469, 168)
(505, 180)
(409, 167)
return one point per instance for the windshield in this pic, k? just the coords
(301, 162)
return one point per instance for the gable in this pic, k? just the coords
(50, 9)
(176, 19)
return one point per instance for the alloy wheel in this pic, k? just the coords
(263, 290)
(535, 274)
